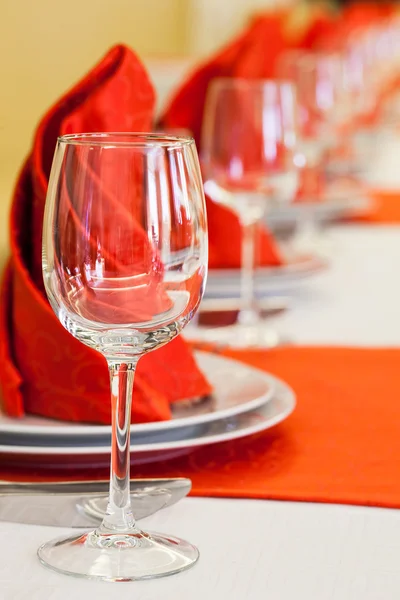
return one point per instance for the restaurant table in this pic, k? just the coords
(270, 550)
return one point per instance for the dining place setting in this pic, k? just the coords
(224, 271)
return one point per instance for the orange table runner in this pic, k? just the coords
(386, 210)
(341, 445)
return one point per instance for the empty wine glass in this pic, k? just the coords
(248, 157)
(315, 137)
(375, 52)
(124, 264)
(330, 100)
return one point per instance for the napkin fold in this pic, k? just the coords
(43, 369)
(251, 55)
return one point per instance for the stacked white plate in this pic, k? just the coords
(245, 401)
(225, 283)
(344, 205)
(343, 200)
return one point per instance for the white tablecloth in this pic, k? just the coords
(263, 550)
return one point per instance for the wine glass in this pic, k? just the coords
(315, 137)
(332, 99)
(376, 53)
(124, 263)
(330, 94)
(248, 159)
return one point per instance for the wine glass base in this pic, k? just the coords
(118, 557)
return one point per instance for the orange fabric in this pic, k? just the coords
(361, 14)
(43, 369)
(341, 444)
(386, 209)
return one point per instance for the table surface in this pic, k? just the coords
(261, 549)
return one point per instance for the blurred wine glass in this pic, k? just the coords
(248, 158)
(377, 52)
(331, 101)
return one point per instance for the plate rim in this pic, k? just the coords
(78, 430)
(281, 388)
(334, 208)
(308, 266)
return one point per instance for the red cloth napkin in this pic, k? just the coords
(252, 55)
(43, 369)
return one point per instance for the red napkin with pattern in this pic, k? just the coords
(43, 369)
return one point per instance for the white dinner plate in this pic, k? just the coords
(226, 282)
(237, 388)
(271, 413)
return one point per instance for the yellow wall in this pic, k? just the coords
(47, 45)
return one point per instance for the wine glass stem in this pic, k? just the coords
(249, 312)
(307, 227)
(119, 517)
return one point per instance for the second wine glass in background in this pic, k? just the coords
(248, 158)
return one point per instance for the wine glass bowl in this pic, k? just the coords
(127, 264)
(249, 141)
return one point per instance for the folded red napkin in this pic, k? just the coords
(43, 369)
(252, 55)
